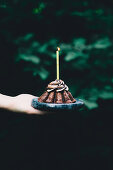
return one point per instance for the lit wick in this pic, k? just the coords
(57, 62)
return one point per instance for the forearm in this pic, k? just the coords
(6, 102)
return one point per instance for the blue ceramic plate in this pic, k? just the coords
(54, 107)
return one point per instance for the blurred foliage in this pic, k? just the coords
(31, 31)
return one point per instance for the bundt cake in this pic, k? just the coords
(57, 92)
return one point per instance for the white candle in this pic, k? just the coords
(57, 62)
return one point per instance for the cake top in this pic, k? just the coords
(57, 85)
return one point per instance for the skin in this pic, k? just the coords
(19, 104)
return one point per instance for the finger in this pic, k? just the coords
(35, 111)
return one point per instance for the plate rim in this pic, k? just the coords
(53, 106)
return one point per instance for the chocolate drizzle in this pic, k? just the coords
(57, 85)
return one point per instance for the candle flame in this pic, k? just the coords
(58, 48)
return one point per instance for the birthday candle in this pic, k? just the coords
(57, 62)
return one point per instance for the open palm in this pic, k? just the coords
(22, 103)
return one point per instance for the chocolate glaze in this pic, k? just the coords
(43, 97)
(59, 98)
(50, 98)
(66, 97)
(57, 85)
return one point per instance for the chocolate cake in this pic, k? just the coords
(57, 92)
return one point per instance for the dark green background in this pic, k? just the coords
(30, 31)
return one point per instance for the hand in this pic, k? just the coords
(22, 104)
